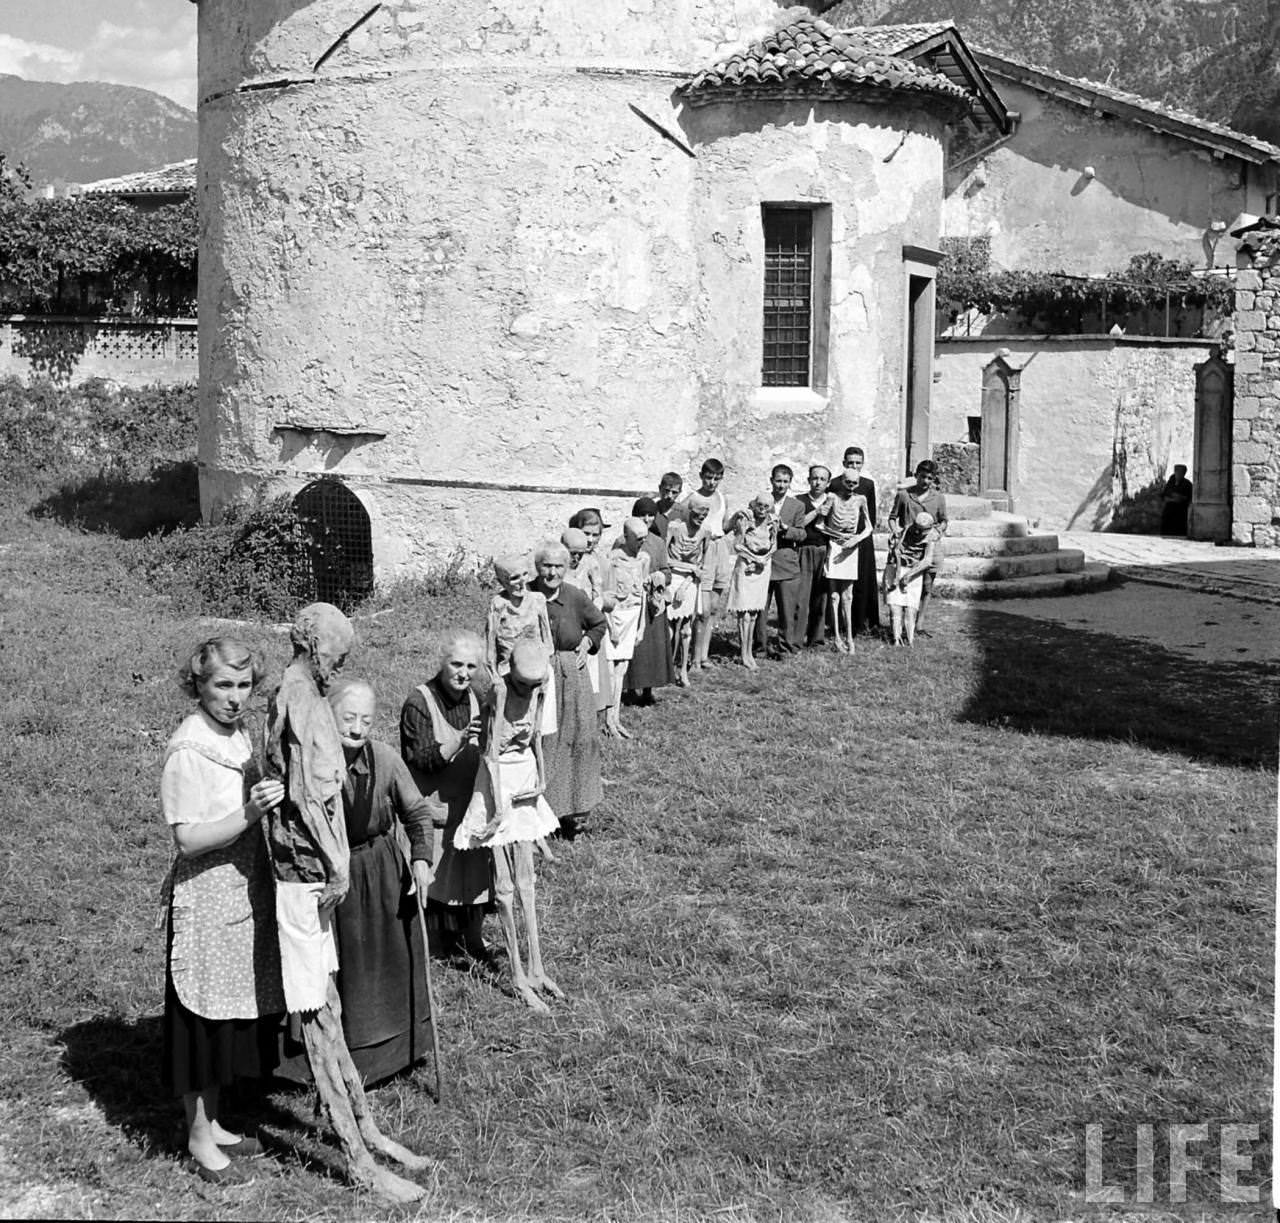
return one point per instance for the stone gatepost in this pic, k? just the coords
(1255, 458)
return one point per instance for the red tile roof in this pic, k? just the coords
(177, 178)
(891, 39)
(810, 57)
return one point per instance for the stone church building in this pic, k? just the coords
(467, 267)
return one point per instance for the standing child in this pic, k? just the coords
(687, 545)
(755, 539)
(910, 557)
(517, 613)
(846, 524)
(508, 812)
(626, 580)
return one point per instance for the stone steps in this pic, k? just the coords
(987, 545)
(992, 554)
(1091, 577)
(997, 525)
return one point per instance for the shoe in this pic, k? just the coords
(247, 1148)
(230, 1175)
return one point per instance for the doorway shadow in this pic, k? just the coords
(1044, 677)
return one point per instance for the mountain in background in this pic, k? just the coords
(88, 130)
(1219, 59)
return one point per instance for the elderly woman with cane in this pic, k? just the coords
(223, 997)
(572, 754)
(382, 956)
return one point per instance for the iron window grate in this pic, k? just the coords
(788, 296)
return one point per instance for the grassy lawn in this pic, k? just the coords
(850, 939)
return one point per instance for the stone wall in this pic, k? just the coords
(72, 350)
(1103, 421)
(1255, 452)
(461, 267)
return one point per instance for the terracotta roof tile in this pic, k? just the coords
(891, 39)
(813, 56)
(176, 177)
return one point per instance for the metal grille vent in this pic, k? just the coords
(342, 542)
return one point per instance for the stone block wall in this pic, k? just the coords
(1255, 449)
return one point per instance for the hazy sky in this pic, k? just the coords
(151, 43)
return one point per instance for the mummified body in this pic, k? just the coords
(306, 835)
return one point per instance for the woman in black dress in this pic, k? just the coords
(572, 754)
(651, 664)
(382, 981)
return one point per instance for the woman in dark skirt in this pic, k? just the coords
(382, 972)
(572, 755)
(223, 996)
(440, 742)
(651, 664)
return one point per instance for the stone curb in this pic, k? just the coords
(1196, 582)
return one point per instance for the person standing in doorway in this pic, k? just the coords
(1177, 502)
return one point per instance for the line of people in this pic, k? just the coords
(304, 861)
(680, 560)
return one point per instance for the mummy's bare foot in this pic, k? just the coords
(529, 995)
(387, 1185)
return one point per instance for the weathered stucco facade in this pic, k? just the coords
(1081, 191)
(485, 263)
(1101, 422)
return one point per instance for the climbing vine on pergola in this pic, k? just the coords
(1056, 302)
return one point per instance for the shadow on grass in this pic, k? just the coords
(117, 502)
(117, 1061)
(1047, 678)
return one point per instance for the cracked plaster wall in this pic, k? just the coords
(481, 267)
(1102, 423)
(1151, 193)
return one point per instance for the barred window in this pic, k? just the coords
(788, 295)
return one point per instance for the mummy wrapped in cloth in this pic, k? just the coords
(307, 840)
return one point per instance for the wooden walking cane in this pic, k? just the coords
(420, 905)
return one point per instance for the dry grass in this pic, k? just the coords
(847, 941)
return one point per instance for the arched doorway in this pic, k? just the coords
(342, 552)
